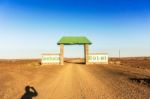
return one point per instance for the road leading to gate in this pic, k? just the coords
(78, 81)
(73, 82)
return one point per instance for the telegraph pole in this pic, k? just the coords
(119, 54)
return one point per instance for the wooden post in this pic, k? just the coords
(86, 53)
(61, 54)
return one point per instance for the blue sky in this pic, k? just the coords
(31, 27)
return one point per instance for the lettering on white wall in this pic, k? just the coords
(98, 58)
(50, 58)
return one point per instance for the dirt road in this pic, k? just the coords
(72, 81)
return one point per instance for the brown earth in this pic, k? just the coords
(75, 80)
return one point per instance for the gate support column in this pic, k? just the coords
(86, 53)
(61, 54)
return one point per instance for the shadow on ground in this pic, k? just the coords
(74, 62)
(30, 92)
(141, 81)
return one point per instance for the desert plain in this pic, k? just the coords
(125, 78)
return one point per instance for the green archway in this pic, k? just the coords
(74, 40)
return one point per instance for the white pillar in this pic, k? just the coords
(61, 54)
(86, 53)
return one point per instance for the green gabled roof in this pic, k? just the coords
(72, 40)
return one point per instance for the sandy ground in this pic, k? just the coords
(73, 81)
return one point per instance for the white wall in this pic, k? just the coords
(101, 58)
(48, 59)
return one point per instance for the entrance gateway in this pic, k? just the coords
(74, 41)
(94, 58)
